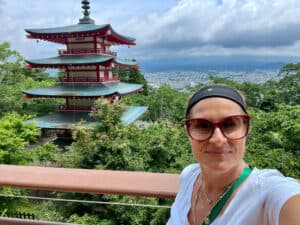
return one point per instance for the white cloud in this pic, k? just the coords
(166, 28)
(234, 27)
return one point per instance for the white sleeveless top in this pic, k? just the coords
(258, 202)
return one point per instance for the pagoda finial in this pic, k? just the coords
(86, 19)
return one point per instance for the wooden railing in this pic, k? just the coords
(91, 181)
(11, 221)
(144, 184)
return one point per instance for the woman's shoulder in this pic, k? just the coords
(272, 178)
(189, 170)
(272, 174)
(275, 190)
(189, 175)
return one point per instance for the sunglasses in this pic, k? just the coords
(232, 127)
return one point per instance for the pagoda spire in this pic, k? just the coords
(86, 19)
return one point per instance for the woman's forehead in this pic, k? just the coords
(216, 107)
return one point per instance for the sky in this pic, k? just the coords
(165, 29)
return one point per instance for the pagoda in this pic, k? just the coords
(88, 63)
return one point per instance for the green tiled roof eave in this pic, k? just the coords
(85, 90)
(68, 29)
(64, 120)
(67, 60)
(128, 62)
(77, 28)
(130, 39)
(132, 114)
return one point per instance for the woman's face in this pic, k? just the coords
(217, 153)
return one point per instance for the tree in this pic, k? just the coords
(132, 76)
(274, 140)
(14, 137)
(14, 78)
(164, 103)
(107, 145)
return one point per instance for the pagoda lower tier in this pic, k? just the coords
(80, 99)
(65, 120)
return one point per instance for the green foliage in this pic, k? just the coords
(14, 137)
(132, 76)
(10, 204)
(164, 145)
(45, 155)
(6, 53)
(163, 103)
(89, 220)
(107, 145)
(274, 140)
(14, 78)
(266, 96)
(291, 67)
(160, 217)
(47, 211)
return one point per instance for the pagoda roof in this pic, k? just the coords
(59, 34)
(64, 120)
(84, 90)
(93, 59)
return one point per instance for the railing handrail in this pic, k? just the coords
(13, 221)
(134, 183)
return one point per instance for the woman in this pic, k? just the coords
(221, 189)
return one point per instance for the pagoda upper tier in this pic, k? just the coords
(62, 62)
(85, 90)
(67, 34)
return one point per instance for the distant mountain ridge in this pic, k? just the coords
(220, 63)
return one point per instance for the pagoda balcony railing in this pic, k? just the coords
(86, 51)
(113, 78)
(74, 108)
(79, 79)
(89, 79)
(143, 184)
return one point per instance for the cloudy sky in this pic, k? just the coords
(165, 28)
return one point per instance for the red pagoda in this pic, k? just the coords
(89, 63)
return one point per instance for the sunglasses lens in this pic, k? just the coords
(235, 127)
(200, 129)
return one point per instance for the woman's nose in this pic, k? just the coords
(217, 136)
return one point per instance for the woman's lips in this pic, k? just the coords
(217, 153)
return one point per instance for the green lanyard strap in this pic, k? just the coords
(220, 204)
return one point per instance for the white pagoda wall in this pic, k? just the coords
(81, 43)
(90, 71)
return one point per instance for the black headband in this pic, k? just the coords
(216, 91)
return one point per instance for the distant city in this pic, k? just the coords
(182, 79)
(185, 72)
